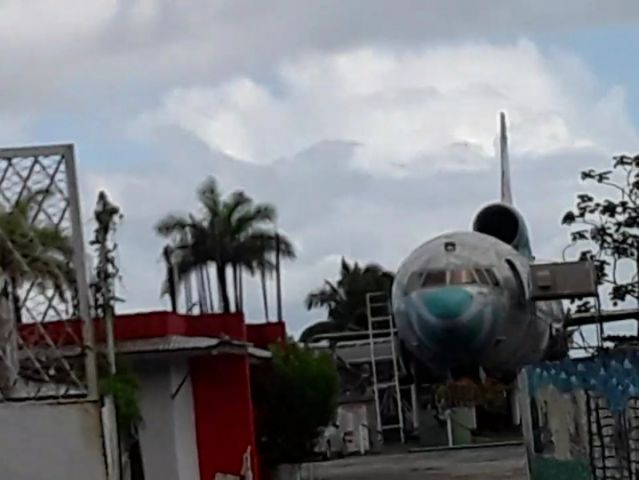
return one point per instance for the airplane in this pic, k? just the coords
(461, 301)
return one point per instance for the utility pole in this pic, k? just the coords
(278, 276)
(106, 215)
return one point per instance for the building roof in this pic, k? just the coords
(179, 343)
(157, 332)
(167, 344)
(358, 351)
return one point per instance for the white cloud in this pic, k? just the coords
(302, 91)
(57, 52)
(409, 110)
(432, 109)
(41, 23)
(13, 128)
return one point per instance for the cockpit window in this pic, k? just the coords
(482, 276)
(414, 281)
(461, 277)
(434, 278)
(493, 278)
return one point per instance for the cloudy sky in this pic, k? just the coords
(370, 124)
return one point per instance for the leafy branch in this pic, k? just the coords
(609, 228)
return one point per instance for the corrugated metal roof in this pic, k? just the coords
(360, 351)
(171, 344)
(178, 343)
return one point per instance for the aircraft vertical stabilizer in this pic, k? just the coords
(506, 193)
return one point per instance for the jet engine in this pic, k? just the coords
(504, 223)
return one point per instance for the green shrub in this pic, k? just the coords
(294, 396)
(124, 388)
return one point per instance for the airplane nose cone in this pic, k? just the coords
(448, 303)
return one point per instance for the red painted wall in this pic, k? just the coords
(264, 334)
(223, 414)
(141, 325)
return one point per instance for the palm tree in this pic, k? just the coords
(31, 253)
(345, 300)
(28, 253)
(170, 285)
(259, 255)
(233, 232)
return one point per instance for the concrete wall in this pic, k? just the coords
(563, 429)
(157, 438)
(167, 434)
(184, 421)
(46, 441)
(585, 416)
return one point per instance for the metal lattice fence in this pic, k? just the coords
(46, 336)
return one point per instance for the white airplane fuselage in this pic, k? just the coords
(462, 300)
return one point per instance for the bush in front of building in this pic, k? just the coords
(123, 386)
(295, 395)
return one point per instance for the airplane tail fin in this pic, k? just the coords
(506, 193)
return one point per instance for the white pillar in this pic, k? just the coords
(526, 415)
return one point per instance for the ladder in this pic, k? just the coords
(387, 391)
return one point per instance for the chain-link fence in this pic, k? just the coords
(46, 335)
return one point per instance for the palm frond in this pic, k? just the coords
(267, 239)
(325, 296)
(36, 253)
(345, 300)
(210, 197)
(172, 224)
(24, 205)
(250, 218)
(236, 203)
(51, 239)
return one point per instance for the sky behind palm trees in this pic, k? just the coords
(369, 124)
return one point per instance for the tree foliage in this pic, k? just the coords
(607, 228)
(107, 216)
(294, 397)
(122, 385)
(232, 232)
(491, 395)
(345, 300)
(32, 252)
(125, 388)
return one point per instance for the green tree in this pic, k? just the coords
(345, 300)
(31, 252)
(607, 228)
(294, 396)
(233, 233)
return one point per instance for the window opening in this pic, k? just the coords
(483, 277)
(518, 280)
(492, 276)
(434, 278)
(461, 277)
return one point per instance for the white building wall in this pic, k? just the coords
(48, 441)
(184, 422)
(157, 439)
